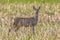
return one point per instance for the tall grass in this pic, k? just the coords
(44, 30)
(29, 1)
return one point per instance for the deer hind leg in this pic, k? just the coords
(16, 27)
(9, 31)
(16, 30)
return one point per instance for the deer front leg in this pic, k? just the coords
(33, 29)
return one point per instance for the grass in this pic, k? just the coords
(44, 30)
(29, 1)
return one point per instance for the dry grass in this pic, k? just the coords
(48, 27)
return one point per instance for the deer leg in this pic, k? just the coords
(33, 29)
(16, 30)
(9, 31)
(15, 27)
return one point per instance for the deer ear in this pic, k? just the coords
(39, 7)
(34, 8)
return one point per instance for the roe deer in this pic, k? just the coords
(32, 21)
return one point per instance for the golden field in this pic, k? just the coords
(47, 28)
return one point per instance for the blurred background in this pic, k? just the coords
(48, 25)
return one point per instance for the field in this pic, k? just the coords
(29, 1)
(48, 25)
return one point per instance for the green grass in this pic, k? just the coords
(29, 1)
(44, 30)
(3, 1)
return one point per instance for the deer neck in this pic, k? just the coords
(36, 16)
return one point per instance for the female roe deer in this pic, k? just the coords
(32, 21)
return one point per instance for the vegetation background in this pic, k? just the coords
(47, 28)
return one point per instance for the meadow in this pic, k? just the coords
(47, 28)
(29, 1)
